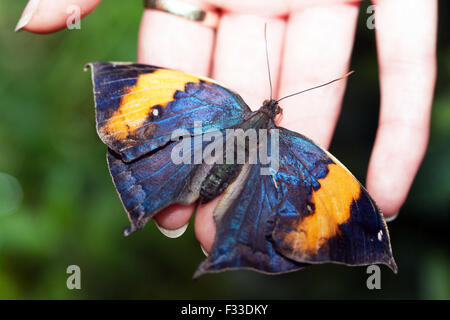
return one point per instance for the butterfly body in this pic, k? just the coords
(222, 174)
(285, 202)
(218, 179)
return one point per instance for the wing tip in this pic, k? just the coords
(131, 229)
(94, 64)
(392, 265)
(128, 230)
(87, 66)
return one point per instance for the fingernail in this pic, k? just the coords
(204, 251)
(27, 14)
(391, 218)
(175, 233)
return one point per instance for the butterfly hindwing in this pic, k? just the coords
(139, 106)
(154, 181)
(311, 210)
(243, 222)
(339, 222)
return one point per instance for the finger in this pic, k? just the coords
(45, 16)
(318, 48)
(173, 42)
(174, 217)
(204, 225)
(406, 41)
(240, 55)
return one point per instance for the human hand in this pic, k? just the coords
(310, 46)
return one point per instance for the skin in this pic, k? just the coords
(311, 45)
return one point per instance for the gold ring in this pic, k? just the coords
(208, 18)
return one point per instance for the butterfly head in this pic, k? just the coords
(271, 108)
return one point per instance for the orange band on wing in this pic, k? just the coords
(151, 89)
(332, 202)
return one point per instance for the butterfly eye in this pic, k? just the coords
(380, 235)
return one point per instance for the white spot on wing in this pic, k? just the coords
(380, 235)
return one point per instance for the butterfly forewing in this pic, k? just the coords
(138, 107)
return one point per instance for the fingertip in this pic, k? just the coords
(46, 16)
(204, 225)
(388, 192)
(172, 233)
(398, 152)
(391, 217)
(174, 217)
(27, 14)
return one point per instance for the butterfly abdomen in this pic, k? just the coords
(223, 174)
(217, 180)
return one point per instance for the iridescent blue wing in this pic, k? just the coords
(244, 221)
(151, 183)
(139, 106)
(326, 215)
(311, 210)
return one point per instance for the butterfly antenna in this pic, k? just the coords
(267, 59)
(322, 85)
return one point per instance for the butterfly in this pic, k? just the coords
(309, 209)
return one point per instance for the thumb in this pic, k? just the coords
(45, 16)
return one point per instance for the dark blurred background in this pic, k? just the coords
(58, 205)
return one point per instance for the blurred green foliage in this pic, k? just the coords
(70, 212)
